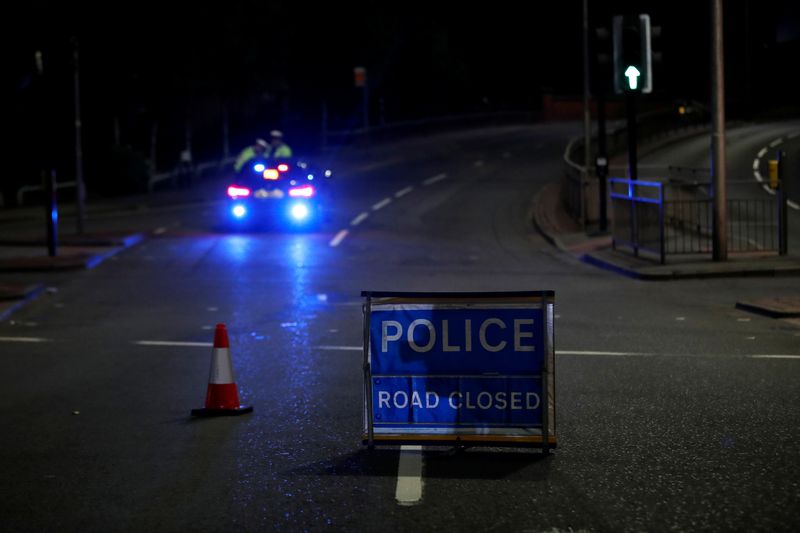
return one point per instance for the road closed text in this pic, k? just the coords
(453, 400)
(516, 401)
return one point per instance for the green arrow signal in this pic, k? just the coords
(632, 73)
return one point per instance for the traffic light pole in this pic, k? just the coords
(630, 110)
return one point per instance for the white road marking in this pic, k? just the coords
(766, 356)
(341, 348)
(680, 318)
(768, 189)
(506, 155)
(478, 163)
(792, 204)
(572, 352)
(776, 142)
(762, 152)
(743, 320)
(176, 343)
(757, 174)
(403, 192)
(793, 135)
(212, 309)
(409, 475)
(383, 203)
(359, 219)
(23, 339)
(435, 179)
(159, 231)
(337, 240)
(755, 164)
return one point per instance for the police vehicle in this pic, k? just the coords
(286, 193)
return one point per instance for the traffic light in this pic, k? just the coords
(633, 70)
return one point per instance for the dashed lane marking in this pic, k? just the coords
(383, 203)
(23, 339)
(776, 356)
(435, 179)
(776, 142)
(409, 475)
(337, 240)
(403, 192)
(359, 219)
(762, 152)
(755, 164)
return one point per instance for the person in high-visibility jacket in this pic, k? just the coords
(280, 150)
(258, 150)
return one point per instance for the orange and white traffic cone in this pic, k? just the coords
(222, 397)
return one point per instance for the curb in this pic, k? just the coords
(772, 308)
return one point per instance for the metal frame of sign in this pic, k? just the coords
(544, 437)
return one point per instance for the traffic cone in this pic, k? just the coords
(222, 398)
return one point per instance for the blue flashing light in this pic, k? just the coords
(239, 211)
(299, 212)
(259, 167)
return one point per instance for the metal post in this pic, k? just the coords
(602, 160)
(48, 171)
(368, 374)
(51, 211)
(80, 188)
(587, 118)
(783, 201)
(630, 108)
(545, 378)
(718, 170)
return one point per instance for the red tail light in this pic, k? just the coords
(234, 191)
(306, 191)
(283, 167)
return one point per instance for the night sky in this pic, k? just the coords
(276, 63)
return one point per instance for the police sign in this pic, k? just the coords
(471, 367)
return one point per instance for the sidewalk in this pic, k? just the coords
(563, 232)
(23, 245)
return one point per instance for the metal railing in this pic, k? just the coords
(637, 215)
(676, 218)
(752, 226)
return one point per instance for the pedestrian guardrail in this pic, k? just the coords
(27, 189)
(637, 214)
(676, 218)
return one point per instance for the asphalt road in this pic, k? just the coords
(675, 411)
